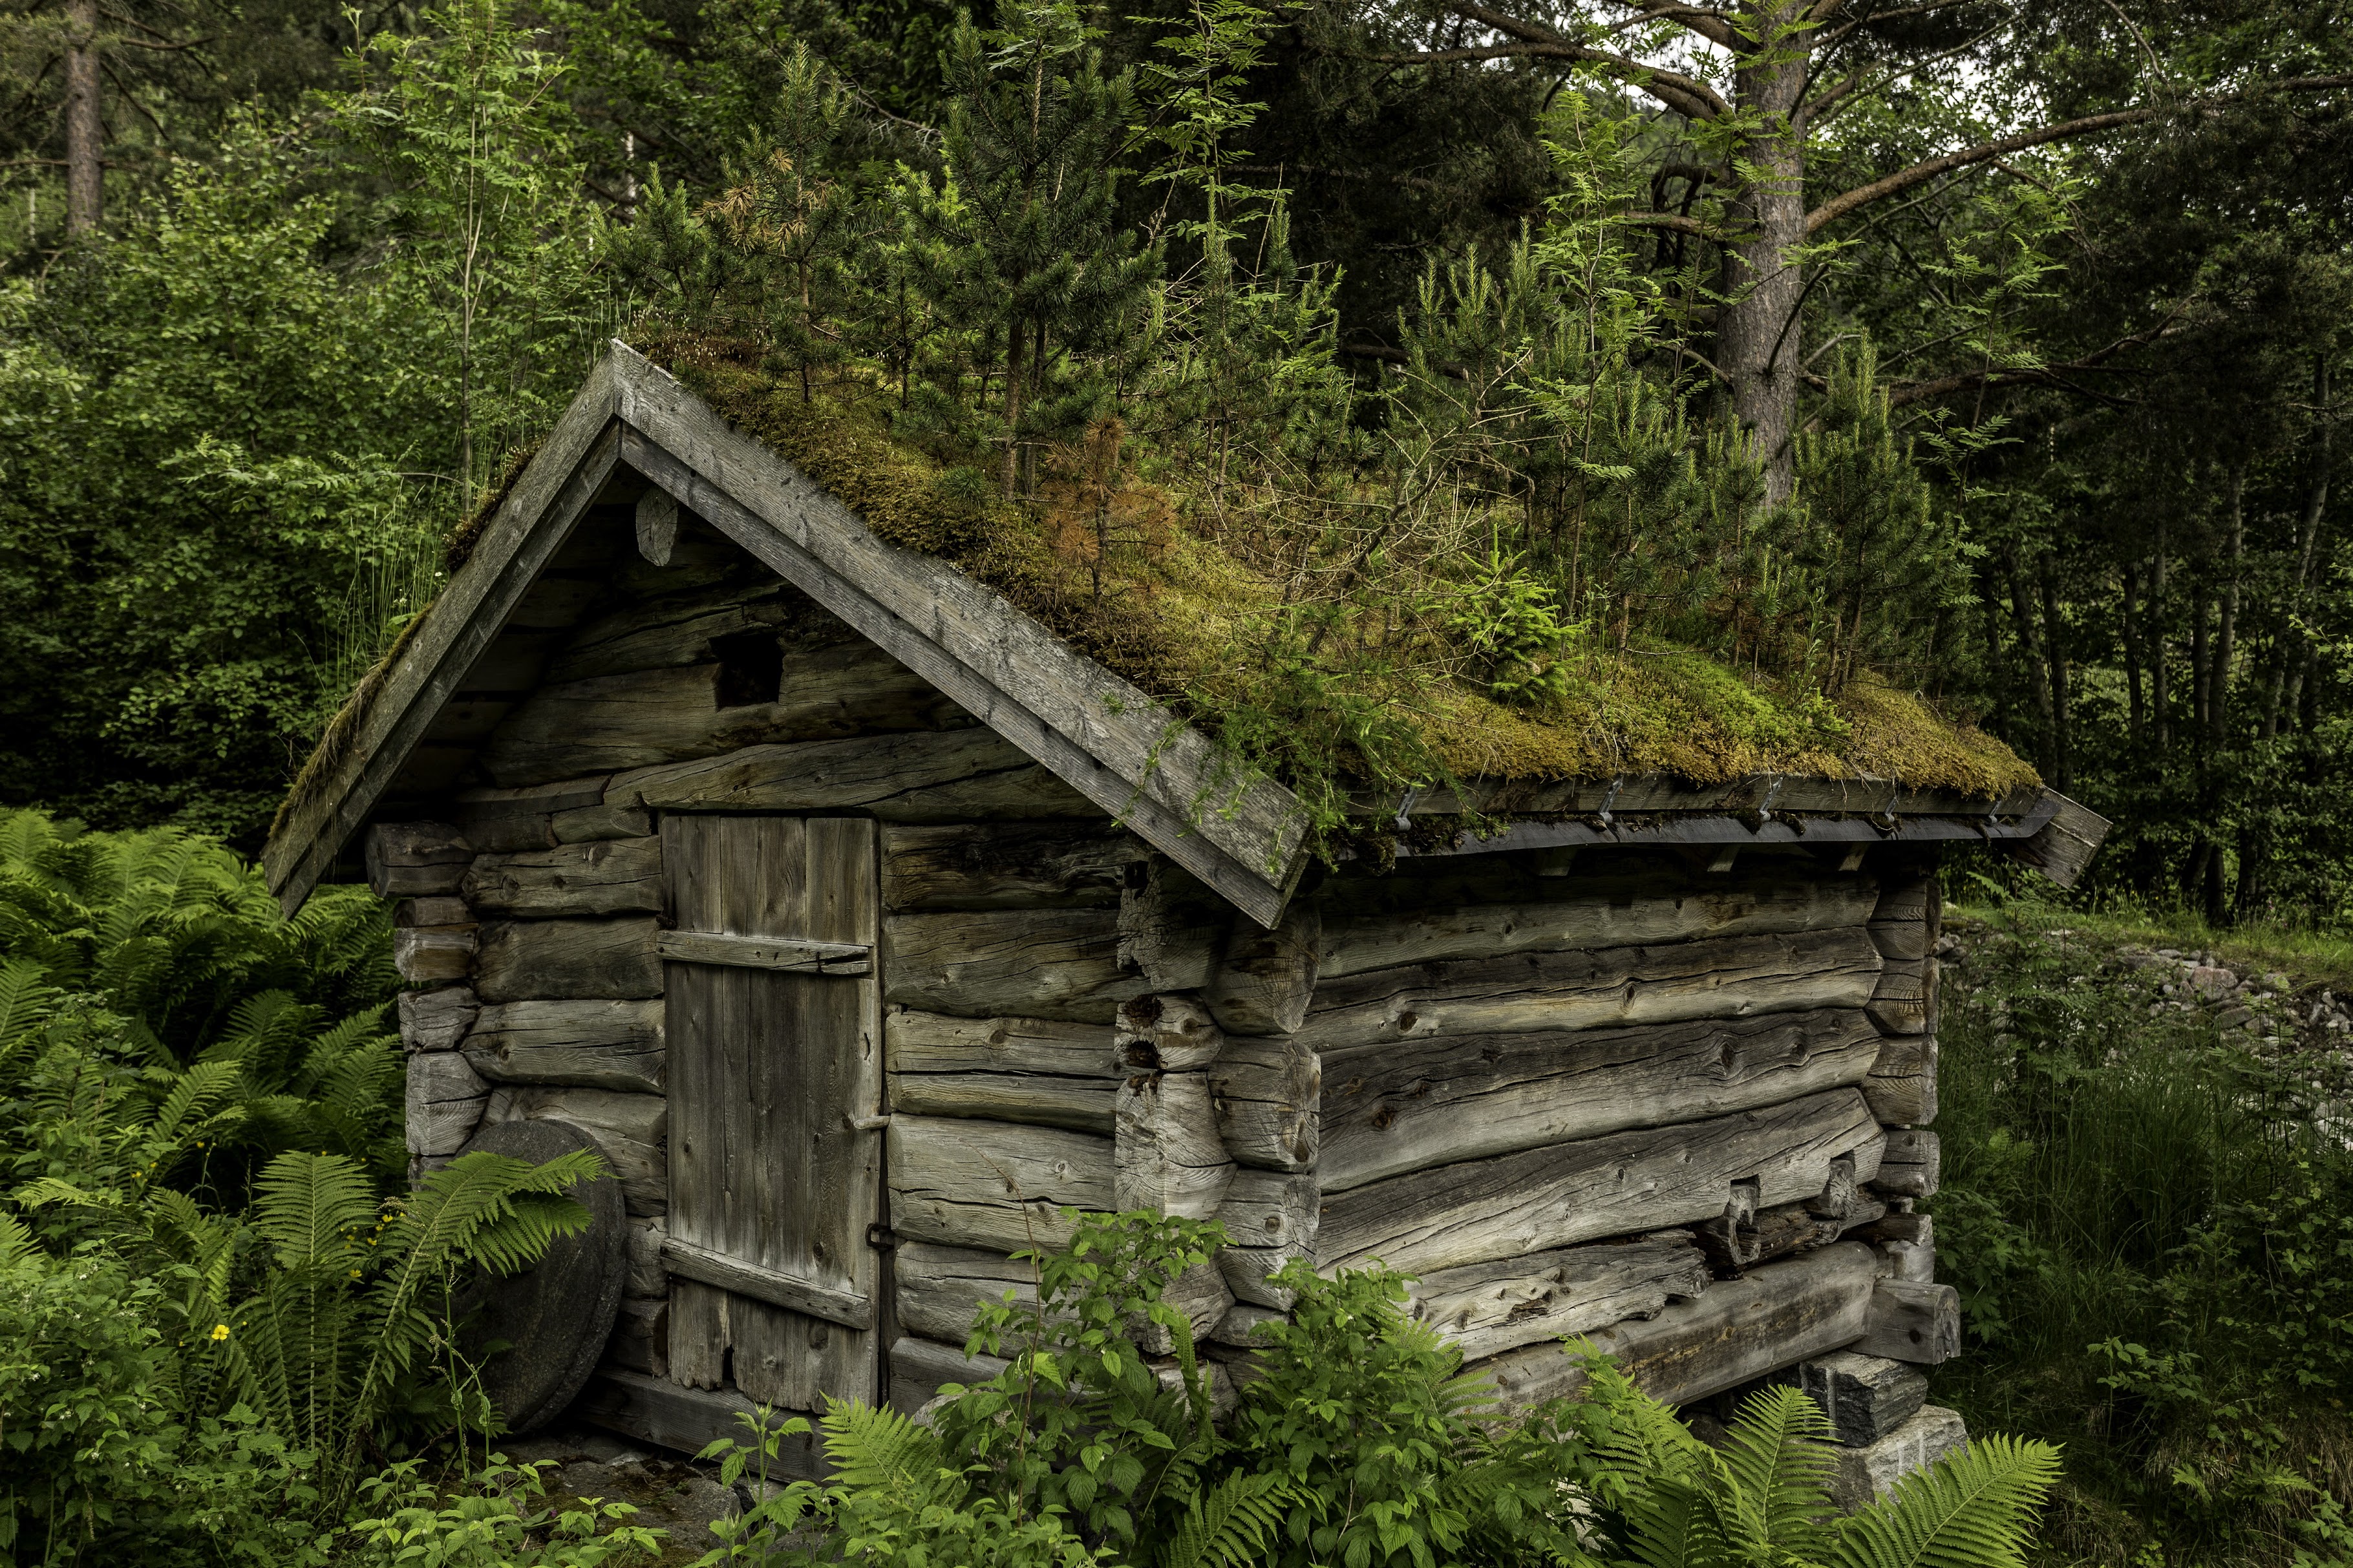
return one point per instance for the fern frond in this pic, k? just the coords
(1973, 1508)
(16, 1242)
(195, 1100)
(26, 999)
(880, 1449)
(311, 1207)
(1235, 1524)
(1778, 1458)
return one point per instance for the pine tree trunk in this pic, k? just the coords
(2159, 655)
(85, 129)
(1758, 343)
(2055, 649)
(2136, 713)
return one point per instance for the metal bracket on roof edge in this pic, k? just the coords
(1405, 806)
(1610, 798)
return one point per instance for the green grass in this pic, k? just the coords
(2151, 1239)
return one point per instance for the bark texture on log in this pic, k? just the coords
(1407, 1104)
(1615, 1185)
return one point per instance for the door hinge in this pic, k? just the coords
(882, 1236)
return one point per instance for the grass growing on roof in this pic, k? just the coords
(1330, 698)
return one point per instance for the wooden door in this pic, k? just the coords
(773, 1025)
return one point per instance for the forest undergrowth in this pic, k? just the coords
(2148, 1205)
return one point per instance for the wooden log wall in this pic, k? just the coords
(1570, 1104)
(531, 899)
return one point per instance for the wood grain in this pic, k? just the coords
(1037, 964)
(949, 775)
(1717, 977)
(993, 1186)
(1269, 1097)
(1738, 1330)
(1004, 866)
(532, 960)
(599, 1043)
(1645, 1180)
(609, 877)
(1053, 1073)
(1404, 1105)
(1487, 1308)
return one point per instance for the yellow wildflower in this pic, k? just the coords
(220, 1331)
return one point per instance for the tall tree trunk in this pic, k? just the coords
(2315, 506)
(2055, 644)
(2201, 674)
(2226, 632)
(1997, 655)
(2038, 671)
(2159, 655)
(85, 129)
(1757, 345)
(2136, 713)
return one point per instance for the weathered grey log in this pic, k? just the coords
(629, 1129)
(605, 876)
(566, 959)
(1201, 1294)
(414, 860)
(1906, 897)
(649, 716)
(641, 1341)
(939, 1288)
(677, 628)
(1268, 1093)
(1006, 1070)
(1739, 1330)
(1837, 1198)
(595, 1043)
(436, 1020)
(1037, 964)
(2063, 845)
(1161, 1031)
(1904, 940)
(993, 1184)
(440, 909)
(1005, 866)
(786, 954)
(1905, 1000)
(920, 1366)
(1910, 1227)
(1902, 1087)
(1404, 1105)
(1707, 978)
(1242, 1324)
(1264, 980)
(657, 526)
(1167, 1156)
(586, 824)
(1249, 1272)
(1864, 1397)
(1634, 915)
(1911, 1321)
(1171, 926)
(444, 1103)
(655, 1410)
(1270, 1208)
(427, 955)
(1909, 1167)
(1909, 1261)
(949, 775)
(1594, 1187)
(776, 1288)
(1488, 1308)
(507, 821)
(1861, 1477)
(647, 1275)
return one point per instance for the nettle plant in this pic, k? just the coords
(1356, 1441)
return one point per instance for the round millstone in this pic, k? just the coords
(556, 1316)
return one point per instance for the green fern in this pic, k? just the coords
(880, 1448)
(1235, 1524)
(1973, 1508)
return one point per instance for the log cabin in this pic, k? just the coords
(867, 928)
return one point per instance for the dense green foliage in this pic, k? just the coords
(215, 1317)
(1360, 1442)
(2147, 1217)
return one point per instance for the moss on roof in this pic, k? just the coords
(1192, 625)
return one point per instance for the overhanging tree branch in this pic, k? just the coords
(1904, 179)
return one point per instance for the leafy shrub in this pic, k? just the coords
(1356, 1442)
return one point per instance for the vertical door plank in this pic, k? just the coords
(698, 1334)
